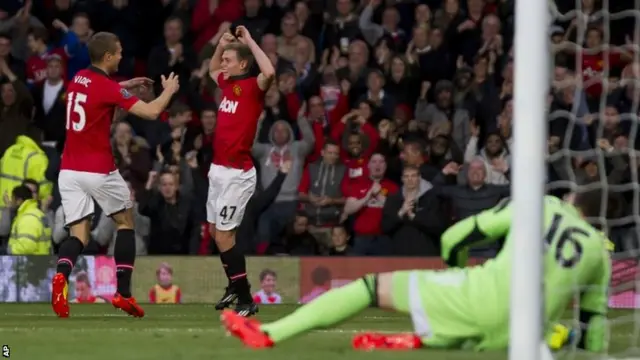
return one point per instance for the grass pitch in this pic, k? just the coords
(193, 332)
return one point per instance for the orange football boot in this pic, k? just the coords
(59, 291)
(128, 305)
(247, 330)
(373, 341)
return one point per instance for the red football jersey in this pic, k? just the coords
(593, 70)
(92, 97)
(36, 66)
(369, 219)
(238, 114)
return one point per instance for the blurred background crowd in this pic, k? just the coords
(389, 119)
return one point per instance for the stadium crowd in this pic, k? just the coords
(389, 120)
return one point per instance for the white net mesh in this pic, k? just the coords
(594, 139)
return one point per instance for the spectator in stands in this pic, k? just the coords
(25, 160)
(495, 155)
(174, 229)
(320, 191)
(383, 102)
(282, 147)
(105, 231)
(341, 29)
(267, 293)
(16, 106)
(40, 51)
(49, 98)
(30, 231)
(365, 201)
(290, 37)
(255, 19)
(131, 154)
(473, 195)
(77, 43)
(174, 55)
(352, 131)
(444, 111)
(372, 32)
(15, 65)
(340, 242)
(412, 217)
(297, 240)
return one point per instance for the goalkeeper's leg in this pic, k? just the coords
(373, 290)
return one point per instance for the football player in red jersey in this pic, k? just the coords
(232, 177)
(88, 171)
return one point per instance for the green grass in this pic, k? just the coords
(193, 332)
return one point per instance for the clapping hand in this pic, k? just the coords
(407, 207)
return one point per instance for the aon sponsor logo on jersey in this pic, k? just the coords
(228, 106)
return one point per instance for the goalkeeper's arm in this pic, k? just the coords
(479, 229)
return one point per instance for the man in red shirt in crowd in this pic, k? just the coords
(88, 171)
(356, 156)
(36, 67)
(232, 176)
(365, 201)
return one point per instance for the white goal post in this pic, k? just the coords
(528, 177)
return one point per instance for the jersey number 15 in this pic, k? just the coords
(567, 238)
(75, 105)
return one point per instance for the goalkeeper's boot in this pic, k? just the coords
(373, 341)
(230, 296)
(59, 291)
(128, 305)
(247, 330)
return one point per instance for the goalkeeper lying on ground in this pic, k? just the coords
(460, 305)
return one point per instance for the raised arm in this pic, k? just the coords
(479, 229)
(153, 109)
(215, 65)
(267, 72)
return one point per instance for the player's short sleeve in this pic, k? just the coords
(221, 81)
(120, 97)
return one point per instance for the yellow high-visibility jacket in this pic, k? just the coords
(30, 231)
(23, 160)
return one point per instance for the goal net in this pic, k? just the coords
(594, 141)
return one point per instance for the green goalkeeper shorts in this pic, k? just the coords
(438, 305)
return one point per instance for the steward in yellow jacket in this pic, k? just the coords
(23, 160)
(30, 231)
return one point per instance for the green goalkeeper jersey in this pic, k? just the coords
(576, 261)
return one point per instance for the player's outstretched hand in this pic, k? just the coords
(170, 83)
(243, 35)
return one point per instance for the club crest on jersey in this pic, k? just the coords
(125, 93)
(237, 91)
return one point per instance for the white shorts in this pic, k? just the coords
(229, 193)
(78, 189)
